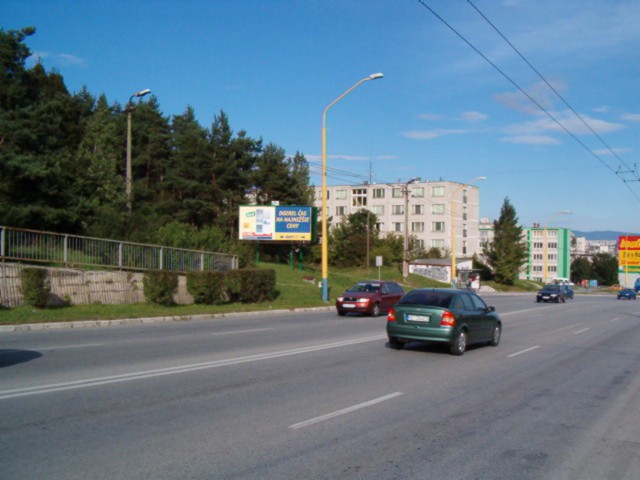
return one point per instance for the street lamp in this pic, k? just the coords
(405, 256)
(561, 212)
(454, 276)
(128, 109)
(325, 236)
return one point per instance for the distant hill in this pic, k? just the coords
(603, 235)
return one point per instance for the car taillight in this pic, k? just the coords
(391, 316)
(448, 319)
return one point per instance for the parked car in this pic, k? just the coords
(453, 317)
(552, 293)
(627, 294)
(370, 297)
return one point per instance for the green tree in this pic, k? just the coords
(580, 269)
(348, 238)
(604, 269)
(188, 175)
(234, 159)
(506, 252)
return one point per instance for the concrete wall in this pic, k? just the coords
(83, 287)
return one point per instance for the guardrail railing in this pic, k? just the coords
(70, 250)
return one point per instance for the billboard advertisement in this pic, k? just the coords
(292, 223)
(629, 253)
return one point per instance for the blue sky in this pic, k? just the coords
(440, 112)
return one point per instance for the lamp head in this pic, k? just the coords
(142, 93)
(375, 76)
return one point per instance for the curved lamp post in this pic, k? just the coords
(129, 109)
(561, 212)
(454, 267)
(325, 237)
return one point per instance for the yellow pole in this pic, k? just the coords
(325, 229)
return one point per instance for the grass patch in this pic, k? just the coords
(294, 289)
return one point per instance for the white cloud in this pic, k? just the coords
(429, 116)
(567, 119)
(613, 151)
(473, 116)
(56, 59)
(431, 134)
(531, 140)
(632, 117)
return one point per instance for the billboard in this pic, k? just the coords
(289, 223)
(629, 253)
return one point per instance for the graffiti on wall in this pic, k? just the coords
(435, 273)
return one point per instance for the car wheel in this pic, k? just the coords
(495, 338)
(395, 343)
(376, 310)
(537, 300)
(342, 313)
(459, 344)
(564, 299)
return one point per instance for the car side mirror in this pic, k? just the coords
(491, 309)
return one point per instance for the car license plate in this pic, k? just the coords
(348, 305)
(418, 318)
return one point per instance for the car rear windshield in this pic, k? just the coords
(427, 298)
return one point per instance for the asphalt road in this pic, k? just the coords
(314, 395)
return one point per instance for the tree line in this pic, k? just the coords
(62, 164)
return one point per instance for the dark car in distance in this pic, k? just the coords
(371, 297)
(552, 293)
(627, 294)
(456, 318)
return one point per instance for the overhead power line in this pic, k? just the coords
(533, 100)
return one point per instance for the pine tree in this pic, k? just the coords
(506, 252)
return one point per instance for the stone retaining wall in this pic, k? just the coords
(83, 287)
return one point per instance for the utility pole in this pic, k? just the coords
(405, 255)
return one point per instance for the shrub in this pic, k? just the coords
(207, 288)
(252, 285)
(159, 287)
(35, 286)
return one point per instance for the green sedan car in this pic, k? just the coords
(454, 317)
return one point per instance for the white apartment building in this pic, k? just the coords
(435, 212)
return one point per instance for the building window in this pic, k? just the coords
(437, 227)
(419, 243)
(378, 209)
(464, 212)
(378, 193)
(397, 192)
(397, 210)
(552, 256)
(341, 194)
(380, 226)
(538, 256)
(417, 209)
(437, 208)
(537, 233)
(341, 210)
(553, 245)
(552, 233)
(437, 243)
(398, 227)
(417, 226)
(359, 197)
(537, 268)
(464, 247)
(417, 191)
(465, 199)
(538, 245)
(437, 191)
(464, 230)
(553, 268)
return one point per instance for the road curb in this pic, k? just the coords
(148, 320)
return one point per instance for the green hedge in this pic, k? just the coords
(159, 287)
(35, 286)
(246, 286)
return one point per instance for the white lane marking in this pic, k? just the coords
(344, 411)
(566, 328)
(577, 332)
(92, 382)
(614, 319)
(524, 351)
(537, 309)
(241, 331)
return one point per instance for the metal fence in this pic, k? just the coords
(73, 250)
